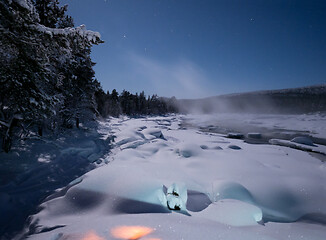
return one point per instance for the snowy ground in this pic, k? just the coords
(167, 181)
(36, 167)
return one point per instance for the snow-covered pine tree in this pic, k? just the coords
(22, 93)
(46, 73)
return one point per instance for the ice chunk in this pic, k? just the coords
(126, 140)
(174, 202)
(254, 135)
(303, 140)
(234, 147)
(235, 135)
(177, 197)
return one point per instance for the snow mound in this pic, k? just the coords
(233, 213)
(133, 144)
(153, 133)
(189, 150)
(301, 144)
(230, 190)
(227, 193)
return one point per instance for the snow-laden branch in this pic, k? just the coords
(3, 123)
(91, 36)
(24, 4)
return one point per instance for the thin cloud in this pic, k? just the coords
(182, 78)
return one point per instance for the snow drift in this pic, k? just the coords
(170, 184)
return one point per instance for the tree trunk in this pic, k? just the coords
(40, 130)
(7, 140)
(6, 144)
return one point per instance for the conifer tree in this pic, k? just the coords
(46, 73)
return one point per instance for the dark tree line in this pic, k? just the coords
(303, 100)
(113, 104)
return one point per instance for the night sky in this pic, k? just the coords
(201, 48)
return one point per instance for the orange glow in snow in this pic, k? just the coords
(92, 236)
(130, 232)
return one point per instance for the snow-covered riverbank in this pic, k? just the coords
(37, 166)
(188, 184)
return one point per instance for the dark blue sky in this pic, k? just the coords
(198, 48)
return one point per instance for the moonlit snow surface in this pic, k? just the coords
(251, 191)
